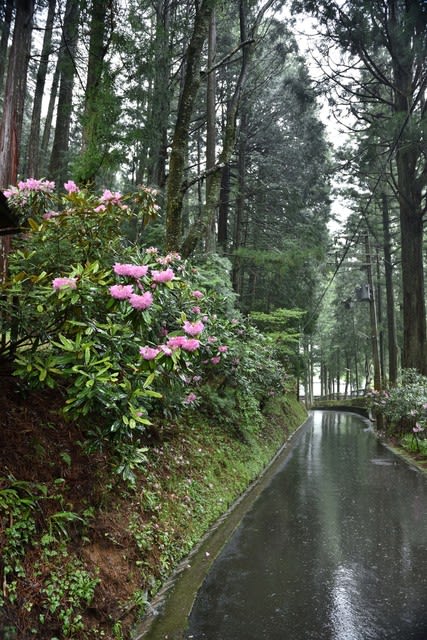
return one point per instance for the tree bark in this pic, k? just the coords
(16, 82)
(161, 97)
(414, 325)
(58, 165)
(211, 131)
(224, 206)
(410, 186)
(175, 191)
(47, 129)
(240, 202)
(391, 320)
(373, 318)
(33, 168)
(4, 39)
(95, 111)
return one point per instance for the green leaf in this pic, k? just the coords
(149, 380)
(153, 394)
(67, 344)
(33, 224)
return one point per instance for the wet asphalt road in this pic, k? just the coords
(335, 548)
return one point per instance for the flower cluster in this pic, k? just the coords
(181, 340)
(25, 195)
(71, 187)
(142, 276)
(30, 185)
(59, 283)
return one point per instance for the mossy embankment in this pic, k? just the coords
(82, 551)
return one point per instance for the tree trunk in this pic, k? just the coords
(410, 184)
(161, 96)
(229, 137)
(16, 82)
(373, 318)
(175, 190)
(58, 166)
(33, 168)
(414, 325)
(95, 112)
(240, 201)
(47, 129)
(224, 205)
(4, 39)
(211, 130)
(388, 269)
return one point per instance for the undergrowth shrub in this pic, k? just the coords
(127, 335)
(404, 407)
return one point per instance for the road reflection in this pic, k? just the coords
(333, 549)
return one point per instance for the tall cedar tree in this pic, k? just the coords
(399, 29)
(175, 183)
(16, 83)
(33, 166)
(58, 165)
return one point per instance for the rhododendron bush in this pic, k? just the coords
(125, 332)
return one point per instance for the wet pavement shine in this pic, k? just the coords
(334, 548)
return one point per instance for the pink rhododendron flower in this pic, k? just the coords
(166, 350)
(193, 328)
(212, 339)
(20, 195)
(149, 353)
(100, 208)
(223, 348)
(141, 302)
(71, 187)
(195, 309)
(162, 276)
(190, 398)
(132, 270)
(197, 294)
(152, 250)
(175, 342)
(170, 257)
(190, 344)
(31, 184)
(121, 291)
(182, 342)
(111, 198)
(216, 360)
(58, 283)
